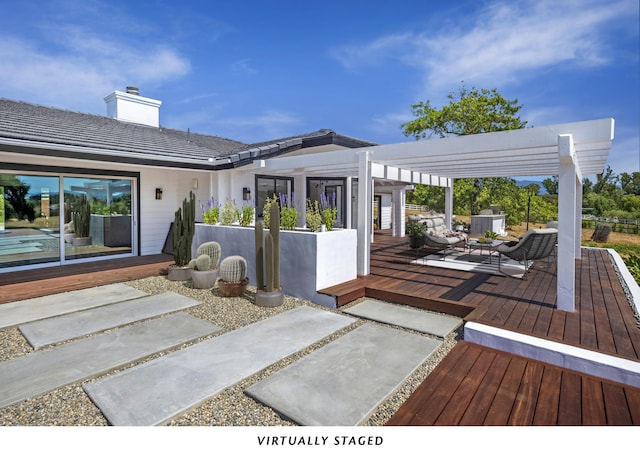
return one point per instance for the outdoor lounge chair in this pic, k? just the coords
(438, 236)
(534, 245)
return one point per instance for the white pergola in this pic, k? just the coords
(569, 151)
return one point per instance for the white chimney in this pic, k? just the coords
(133, 108)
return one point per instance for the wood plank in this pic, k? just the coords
(461, 398)
(525, 403)
(440, 395)
(633, 402)
(479, 406)
(570, 404)
(547, 404)
(616, 404)
(502, 405)
(593, 409)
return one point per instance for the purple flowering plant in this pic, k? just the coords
(211, 213)
(328, 210)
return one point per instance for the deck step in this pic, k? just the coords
(42, 371)
(14, 313)
(158, 391)
(74, 325)
(342, 383)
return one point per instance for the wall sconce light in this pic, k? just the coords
(158, 194)
(194, 183)
(246, 193)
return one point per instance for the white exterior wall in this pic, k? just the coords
(155, 215)
(386, 211)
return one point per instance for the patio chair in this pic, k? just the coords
(534, 245)
(438, 236)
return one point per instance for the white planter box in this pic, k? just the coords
(308, 261)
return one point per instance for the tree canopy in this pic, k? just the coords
(470, 111)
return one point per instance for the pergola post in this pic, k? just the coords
(448, 203)
(399, 210)
(364, 212)
(567, 220)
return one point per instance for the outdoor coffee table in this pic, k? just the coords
(490, 246)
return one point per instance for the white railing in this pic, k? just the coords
(416, 207)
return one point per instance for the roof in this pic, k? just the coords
(34, 129)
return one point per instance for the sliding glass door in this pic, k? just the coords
(56, 218)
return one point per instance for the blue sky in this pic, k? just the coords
(259, 70)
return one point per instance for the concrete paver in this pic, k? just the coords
(23, 311)
(73, 325)
(342, 383)
(45, 370)
(157, 391)
(418, 320)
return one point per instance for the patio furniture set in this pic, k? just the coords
(535, 244)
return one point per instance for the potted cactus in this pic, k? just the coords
(204, 268)
(183, 230)
(269, 292)
(233, 276)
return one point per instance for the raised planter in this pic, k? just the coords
(309, 261)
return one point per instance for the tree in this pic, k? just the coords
(630, 183)
(16, 196)
(469, 112)
(551, 185)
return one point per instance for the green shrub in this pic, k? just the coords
(229, 213)
(314, 219)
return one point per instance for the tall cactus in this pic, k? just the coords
(274, 232)
(268, 252)
(183, 231)
(259, 231)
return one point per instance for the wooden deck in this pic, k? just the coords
(475, 385)
(27, 284)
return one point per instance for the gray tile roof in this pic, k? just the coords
(29, 128)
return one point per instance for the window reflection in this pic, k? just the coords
(29, 219)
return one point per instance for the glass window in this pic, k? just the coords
(267, 187)
(333, 190)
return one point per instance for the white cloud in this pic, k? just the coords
(504, 43)
(79, 67)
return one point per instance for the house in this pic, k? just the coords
(141, 171)
(131, 166)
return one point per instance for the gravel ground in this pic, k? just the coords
(70, 406)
